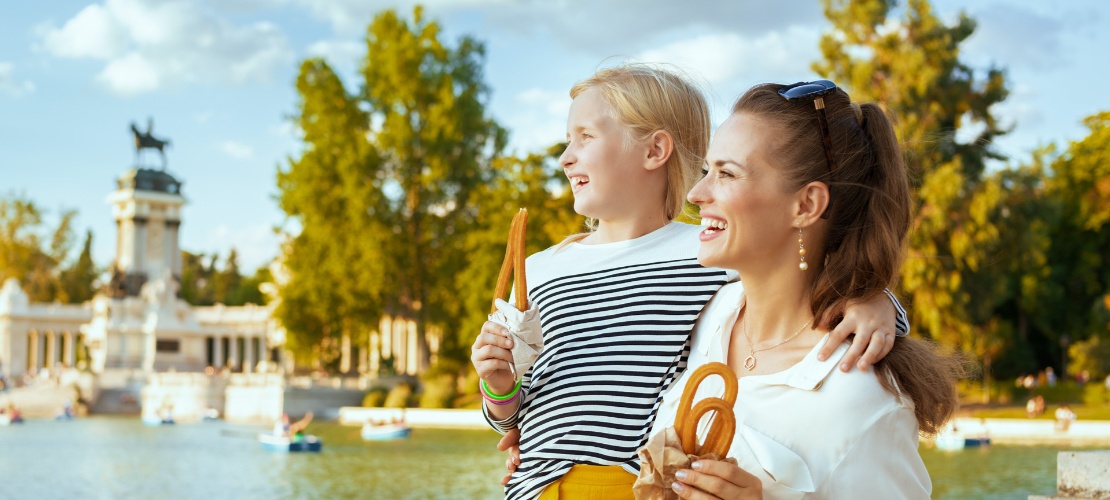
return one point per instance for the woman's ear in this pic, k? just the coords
(811, 201)
(660, 146)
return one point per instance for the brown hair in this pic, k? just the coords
(869, 216)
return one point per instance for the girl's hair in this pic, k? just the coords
(869, 216)
(646, 99)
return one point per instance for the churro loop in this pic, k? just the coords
(514, 263)
(721, 432)
(719, 438)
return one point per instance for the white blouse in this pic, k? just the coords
(810, 431)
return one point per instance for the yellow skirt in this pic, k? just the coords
(592, 482)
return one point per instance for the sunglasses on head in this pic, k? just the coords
(815, 91)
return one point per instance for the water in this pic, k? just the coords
(113, 458)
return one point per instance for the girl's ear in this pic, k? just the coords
(811, 201)
(660, 146)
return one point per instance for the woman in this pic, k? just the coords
(806, 196)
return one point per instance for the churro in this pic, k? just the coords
(719, 438)
(514, 263)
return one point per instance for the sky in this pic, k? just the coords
(217, 79)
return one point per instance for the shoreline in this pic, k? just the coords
(1000, 430)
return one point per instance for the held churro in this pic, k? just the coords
(719, 438)
(514, 263)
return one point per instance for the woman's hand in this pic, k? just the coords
(711, 479)
(492, 358)
(873, 324)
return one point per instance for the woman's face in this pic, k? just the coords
(746, 208)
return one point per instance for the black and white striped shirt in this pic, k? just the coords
(616, 321)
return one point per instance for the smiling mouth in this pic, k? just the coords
(577, 182)
(713, 226)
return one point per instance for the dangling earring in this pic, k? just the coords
(802, 252)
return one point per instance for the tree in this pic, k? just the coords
(27, 253)
(426, 105)
(79, 281)
(385, 185)
(914, 69)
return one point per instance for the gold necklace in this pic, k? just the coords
(749, 362)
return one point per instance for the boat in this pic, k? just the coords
(954, 440)
(6, 419)
(157, 421)
(385, 432)
(286, 444)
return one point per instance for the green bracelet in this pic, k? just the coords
(489, 394)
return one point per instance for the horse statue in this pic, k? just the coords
(144, 140)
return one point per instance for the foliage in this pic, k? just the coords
(33, 253)
(400, 396)
(1092, 355)
(375, 397)
(204, 283)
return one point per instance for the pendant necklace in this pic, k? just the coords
(749, 362)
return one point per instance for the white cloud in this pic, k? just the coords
(151, 44)
(93, 32)
(237, 150)
(10, 85)
(338, 52)
(131, 74)
(350, 17)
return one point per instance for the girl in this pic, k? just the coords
(617, 304)
(807, 198)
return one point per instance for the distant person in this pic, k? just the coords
(1107, 383)
(281, 427)
(1050, 376)
(1064, 418)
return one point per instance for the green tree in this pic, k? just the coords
(79, 280)
(30, 252)
(385, 186)
(427, 103)
(1078, 189)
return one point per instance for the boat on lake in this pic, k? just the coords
(287, 444)
(951, 438)
(384, 432)
(7, 419)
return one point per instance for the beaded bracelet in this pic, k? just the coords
(499, 397)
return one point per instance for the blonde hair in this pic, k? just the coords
(646, 99)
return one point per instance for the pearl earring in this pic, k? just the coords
(802, 252)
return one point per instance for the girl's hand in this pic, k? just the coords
(712, 479)
(510, 442)
(492, 358)
(873, 324)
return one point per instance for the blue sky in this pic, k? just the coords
(217, 78)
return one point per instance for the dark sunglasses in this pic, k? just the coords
(815, 91)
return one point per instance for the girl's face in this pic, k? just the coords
(605, 167)
(745, 206)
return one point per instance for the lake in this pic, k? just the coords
(110, 458)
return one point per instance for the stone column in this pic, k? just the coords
(33, 352)
(345, 353)
(51, 355)
(375, 353)
(248, 356)
(217, 352)
(139, 245)
(234, 352)
(70, 355)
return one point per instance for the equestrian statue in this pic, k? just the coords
(144, 140)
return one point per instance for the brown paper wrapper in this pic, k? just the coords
(660, 458)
